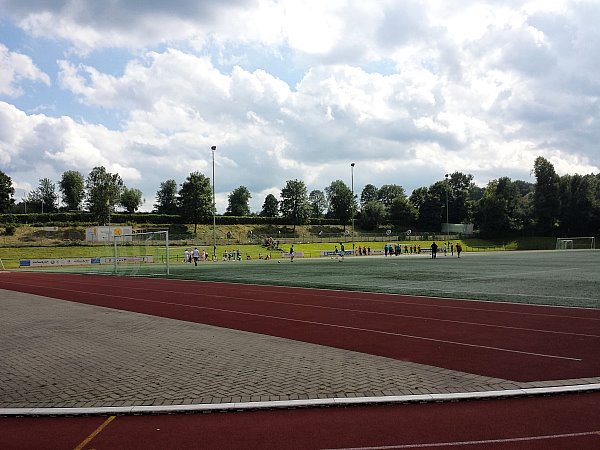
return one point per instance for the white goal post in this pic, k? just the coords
(576, 243)
(137, 249)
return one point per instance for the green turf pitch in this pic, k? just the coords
(569, 278)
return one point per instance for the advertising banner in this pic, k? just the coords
(108, 234)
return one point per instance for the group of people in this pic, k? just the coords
(235, 255)
(395, 250)
(364, 251)
(194, 256)
(271, 243)
(444, 249)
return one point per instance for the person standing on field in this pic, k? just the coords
(434, 248)
(196, 256)
(458, 249)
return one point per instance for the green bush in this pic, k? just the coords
(9, 230)
(82, 218)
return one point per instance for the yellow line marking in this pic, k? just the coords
(95, 433)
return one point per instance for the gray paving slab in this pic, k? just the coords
(60, 354)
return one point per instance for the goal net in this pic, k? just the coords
(145, 253)
(575, 243)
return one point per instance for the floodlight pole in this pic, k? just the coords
(352, 204)
(447, 222)
(213, 148)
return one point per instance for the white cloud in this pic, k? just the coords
(15, 67)
(407, 91)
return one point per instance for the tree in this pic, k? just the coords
(72, 188)
(418, 197)
(7, 191)
(103, 193)
(339, 197)
(44, 197)
(461, 191)
(388, 192)
(402, 211)
(195, 199)
(500, 211)
(131, 199)
(270, 207)
(369, 193)
(166, 198)
(546, 198)
(430, 203)
(318, 203)
(579, 206)
(372, 215)
(238, 202)
(294, 204)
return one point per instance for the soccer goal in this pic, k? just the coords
(145, 253)
(575, 243)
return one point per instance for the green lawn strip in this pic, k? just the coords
(11, 255)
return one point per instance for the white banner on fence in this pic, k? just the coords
(296, 255)
(49, 262)
(54, 262)
(127, 259)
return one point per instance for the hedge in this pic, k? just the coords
(62, 219)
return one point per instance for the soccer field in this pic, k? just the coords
(566, 278)
(569, 278)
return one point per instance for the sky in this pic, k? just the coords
(297, 89)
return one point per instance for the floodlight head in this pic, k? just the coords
(213, 148)
(351, 164)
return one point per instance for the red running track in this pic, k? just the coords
(510, 341)
(561, 422)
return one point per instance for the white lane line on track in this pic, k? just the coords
(535, 330)
(345, 327)
(480, 442)
(333, 308)
(244, 282)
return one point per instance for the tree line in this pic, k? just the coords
(553, 205)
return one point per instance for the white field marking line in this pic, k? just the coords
(345, 327)
(463, 443)
(498, 293)
(359, 311)
(506, 275)
(412, 288)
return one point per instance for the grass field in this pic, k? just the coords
(565, 278)
(11, 255)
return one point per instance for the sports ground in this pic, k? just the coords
(252, 334)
